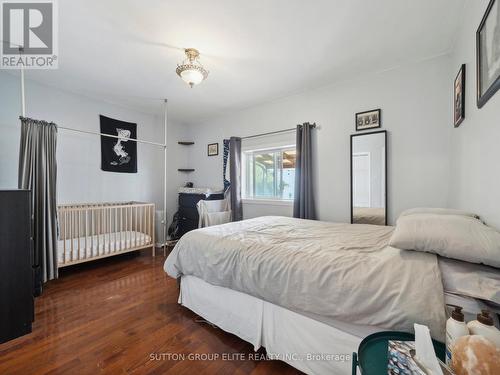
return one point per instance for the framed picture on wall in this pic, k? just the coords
(213, 149)
(368, 120)
(459, 97)
(488, 54)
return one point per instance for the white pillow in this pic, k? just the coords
(451, 236)
(437, 211)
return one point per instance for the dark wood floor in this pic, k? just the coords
(119, 316)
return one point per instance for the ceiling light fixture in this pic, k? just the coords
(190, 70)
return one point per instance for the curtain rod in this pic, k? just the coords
(275, 132)
(111, 136)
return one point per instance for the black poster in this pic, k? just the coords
(118, 154)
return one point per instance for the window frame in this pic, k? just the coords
(272, 200)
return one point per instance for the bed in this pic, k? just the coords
(292, 285)
(90, 231)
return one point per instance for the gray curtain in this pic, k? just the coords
(235, 177)
(38, 173)
(303, 205)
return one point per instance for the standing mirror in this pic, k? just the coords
(369, 178)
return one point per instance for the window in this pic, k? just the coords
(269, 174)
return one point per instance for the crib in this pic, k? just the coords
(92, 231)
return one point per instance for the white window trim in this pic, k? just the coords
(268, 202)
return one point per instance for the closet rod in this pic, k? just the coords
(111, 136)
(275, 132)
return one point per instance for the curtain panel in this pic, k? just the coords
(304, 204)
(38, 173)
(235, 178)
(225, 164)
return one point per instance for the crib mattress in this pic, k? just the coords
(103, 244)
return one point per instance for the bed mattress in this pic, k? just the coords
(94, 246)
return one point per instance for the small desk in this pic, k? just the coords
(372, 352)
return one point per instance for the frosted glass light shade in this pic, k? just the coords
(191, 76)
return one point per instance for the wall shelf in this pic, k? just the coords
(185, 170)
(185, 143)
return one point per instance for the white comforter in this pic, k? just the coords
(339, 271)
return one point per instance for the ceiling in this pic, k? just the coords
(126, 51)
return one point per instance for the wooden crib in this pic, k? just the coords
(97, 230)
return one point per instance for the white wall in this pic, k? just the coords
(416, 108)
(475, 172)
(80, 178)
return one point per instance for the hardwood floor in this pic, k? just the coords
(120, 316)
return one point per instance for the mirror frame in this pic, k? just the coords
(386, 179)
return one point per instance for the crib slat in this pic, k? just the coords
(92, 233)
(103, 227)
(145, 220)
(153, 229)
(135, 229)
(78, 223)
(140, 225)
(127, 233)
(105, 213)
(71, 234)
(103, 224)
(108, 211)
(113, 224)
(97, 232)
(121, 228)
(86, 234)
(65, 235)
(115, 229)
(109, 229)
(126, 226)
(112, 232)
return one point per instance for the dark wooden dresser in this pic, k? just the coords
(16, 259)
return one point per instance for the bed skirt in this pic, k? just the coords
(305, 343)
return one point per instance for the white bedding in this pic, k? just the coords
(342, 272)
(94, 246)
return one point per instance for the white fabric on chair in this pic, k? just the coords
(213, 212)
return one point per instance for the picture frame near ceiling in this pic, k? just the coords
(213, 149)
(488, 54)
(368, 119)
(459, 97)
